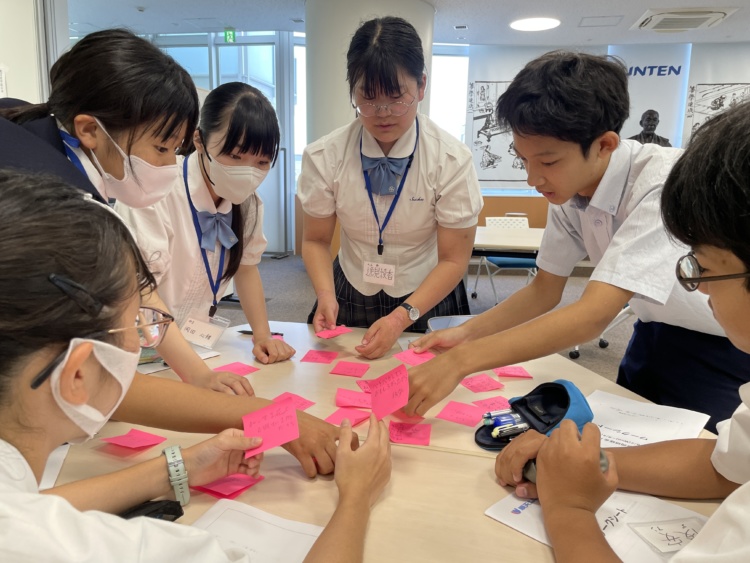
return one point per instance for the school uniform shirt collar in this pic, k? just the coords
(202, 200)
(15, 470)
(608, 194)
(402, 149)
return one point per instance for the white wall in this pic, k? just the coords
(19, 54)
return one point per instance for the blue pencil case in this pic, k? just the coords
(543, 409)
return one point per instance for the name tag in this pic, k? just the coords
(379, 273)
(205, 333)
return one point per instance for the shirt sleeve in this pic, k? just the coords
(641, 256)
(255, 240)
(459, 197)
(315, 182)
(562, 246)
(731, 456)
(152, 229)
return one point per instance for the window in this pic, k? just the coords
(450, 75)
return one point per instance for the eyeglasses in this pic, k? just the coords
(689, 273)
(394, 108)
(151, 324)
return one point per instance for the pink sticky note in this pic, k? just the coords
(230, 486)
(512, 371)
(493, 404)
(353, 369)
(338, 331)
(364, 384)
(135, 439)
(276, 424)
(461, 413)
(349, 398)
(405, 433)
(390, 391)
(354, 415)
(319, 357)
(237, 367)
(480, 383)
(277, 337)
(300, 403)
(412, 358)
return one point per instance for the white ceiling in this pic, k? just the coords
(487, 19)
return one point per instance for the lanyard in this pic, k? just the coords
(70, 143)
(382, 227)
(213, 284)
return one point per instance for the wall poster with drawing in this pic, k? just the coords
(706, 100)
(492, 149)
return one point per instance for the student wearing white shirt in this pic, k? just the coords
(408, 220)
(112, 79)
(604, 203)
(69, 345)
(209, 229)
(704, 204)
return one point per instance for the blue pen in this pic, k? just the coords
(503, 419)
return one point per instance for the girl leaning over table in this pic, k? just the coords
(69, 345)
(208, 231)
(404, 192)
(118, 110)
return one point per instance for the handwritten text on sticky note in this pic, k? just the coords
(352, 369)
(405, 433)
(349, 398)
(276, 424)
(390, 391)
(300, 403)
(319, 357)
(461, 413)
(481, 383)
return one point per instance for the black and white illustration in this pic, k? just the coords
(492, 149)
(706, 100)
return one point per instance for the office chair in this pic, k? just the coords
(510, 221)
(622, 316)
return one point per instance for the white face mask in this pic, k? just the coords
(234, 183)
(142, 184)
(119, 363)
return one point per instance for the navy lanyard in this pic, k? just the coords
(70, 143)
(213, 284)
(382, 227)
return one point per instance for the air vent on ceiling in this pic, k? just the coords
(682, 20)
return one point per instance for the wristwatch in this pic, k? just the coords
(412, 311)
(178, 476)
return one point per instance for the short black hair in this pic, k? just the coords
(379, 50)
(706, 198)
(574, 97)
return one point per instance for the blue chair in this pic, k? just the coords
(501, 263)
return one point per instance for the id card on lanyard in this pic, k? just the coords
(200, 328)
(380, 269)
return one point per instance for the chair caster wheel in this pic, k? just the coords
(474, 295)
(603, 343)
(574, 354)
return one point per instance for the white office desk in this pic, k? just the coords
(433, 508)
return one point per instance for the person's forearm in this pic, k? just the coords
(343, 540)
(249, 287)
(163, 403)
(118, 491)
(316, 256)
(575, 536)
(439, 282)
(677, 469)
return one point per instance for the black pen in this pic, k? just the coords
(250, 332)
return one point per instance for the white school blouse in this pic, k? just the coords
(36, 527)
(441, 188)
(166, 236)
(621, 230)
(726, 536)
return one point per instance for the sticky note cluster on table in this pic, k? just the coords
(135, 439)
(276, 424)
(390, 391)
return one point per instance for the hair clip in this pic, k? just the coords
(78, 294)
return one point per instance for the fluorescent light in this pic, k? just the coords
(535, 24)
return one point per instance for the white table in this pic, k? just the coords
(518, 243)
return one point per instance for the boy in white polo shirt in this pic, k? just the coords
(705, 204)
(566, 111)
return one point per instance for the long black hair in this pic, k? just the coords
(67, 266)
(251, 127)
(122, 80)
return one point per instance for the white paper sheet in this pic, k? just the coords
(53, 467)
(264, 537)
(625, 422)
(159, 365)
(639, 528)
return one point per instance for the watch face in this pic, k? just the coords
(413, 313)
